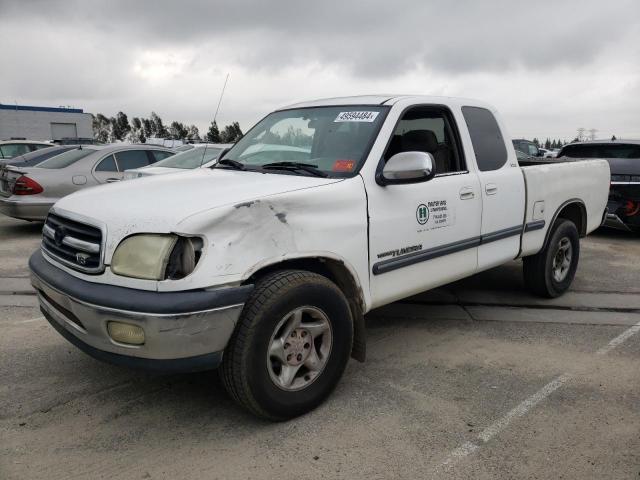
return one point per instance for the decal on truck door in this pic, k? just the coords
(435, 214)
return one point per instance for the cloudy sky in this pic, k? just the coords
(548, 66)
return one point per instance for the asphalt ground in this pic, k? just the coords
(475, 380)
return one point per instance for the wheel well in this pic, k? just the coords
(338, 273)
(576, 213)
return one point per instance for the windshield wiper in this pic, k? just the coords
(227, 162)
(296, 166)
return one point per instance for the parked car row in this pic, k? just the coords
(30, 184)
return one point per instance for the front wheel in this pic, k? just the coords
(550, 272)
(290, 347)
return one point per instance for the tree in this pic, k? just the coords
(213, 135)
(101, 128)
(231, 133)
(547, 144)
(122, 123)
(178, 131)
(157, 127)
(613, 138)
(147, 127)
(193, 133)
(136, 135)
(536, 142)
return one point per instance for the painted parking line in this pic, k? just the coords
(619, 339)
(520, 410)
(31, 320)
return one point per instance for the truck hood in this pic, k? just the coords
(159, 203)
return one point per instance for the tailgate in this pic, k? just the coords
(8, 177)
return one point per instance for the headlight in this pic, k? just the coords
(156, 256)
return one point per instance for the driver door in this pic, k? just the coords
(423, 235)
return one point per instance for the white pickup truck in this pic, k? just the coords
(266, 263)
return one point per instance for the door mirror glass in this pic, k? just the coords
(408, 167)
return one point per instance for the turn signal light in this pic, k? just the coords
(26, 186)
(126, 333)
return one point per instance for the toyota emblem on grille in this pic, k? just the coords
(59, 235)
(82, 258)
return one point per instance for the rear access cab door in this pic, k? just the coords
(502, 187)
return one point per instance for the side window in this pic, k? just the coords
(160, 155)
(35, 147)
(107, 164)
(488, 144)
(11, 150)
(430, 130)
(132, 159)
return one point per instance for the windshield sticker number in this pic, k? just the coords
(359, 116)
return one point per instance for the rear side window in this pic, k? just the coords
(65, 159)
(486, 137)
(160, 155)
(38, 146)
(601, 151)
(108, 164)
(14, 149)
(132, 159)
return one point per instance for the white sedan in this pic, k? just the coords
(200, 156)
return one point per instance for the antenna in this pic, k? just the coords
(215, 115)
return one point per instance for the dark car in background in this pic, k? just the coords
(624, 160)
(32, 159)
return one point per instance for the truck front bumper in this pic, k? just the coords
(183, 331)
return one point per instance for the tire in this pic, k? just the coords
(543, 272)
(257, 363)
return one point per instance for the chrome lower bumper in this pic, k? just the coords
(184, 341)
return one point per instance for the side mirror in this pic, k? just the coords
(408, 167)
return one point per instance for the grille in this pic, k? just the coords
(74, 244)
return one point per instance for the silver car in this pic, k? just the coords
(28, 192)
(201, 155)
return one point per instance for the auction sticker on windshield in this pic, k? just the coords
(359, 116)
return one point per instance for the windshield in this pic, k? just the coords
(334, 139)
(602, 151)
(65, 159)
(190, 159)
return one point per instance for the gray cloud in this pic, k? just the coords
(172, 56)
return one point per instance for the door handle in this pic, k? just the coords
(466, 193)
(491, 188)
(111, 180)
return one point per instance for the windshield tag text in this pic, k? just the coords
(356, 116)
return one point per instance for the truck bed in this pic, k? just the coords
(550, 184)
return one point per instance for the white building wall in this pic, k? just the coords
(36, 125)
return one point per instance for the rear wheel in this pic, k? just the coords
(290, 347)
(550, 272)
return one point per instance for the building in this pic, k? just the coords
(44, 123)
